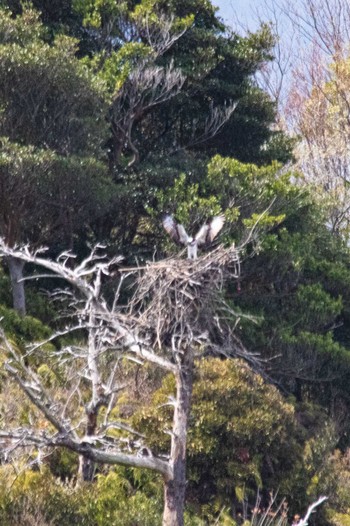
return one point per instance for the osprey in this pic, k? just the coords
(205, 235)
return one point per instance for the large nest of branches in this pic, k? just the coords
(177, 301)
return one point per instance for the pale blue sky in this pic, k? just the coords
(231, 10)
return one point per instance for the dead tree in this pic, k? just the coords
(176, 315)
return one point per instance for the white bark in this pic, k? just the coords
(114, 332)
(95, 315)
(311, 508)
(175, 486)
(18, 293)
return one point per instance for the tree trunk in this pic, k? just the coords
(16, 274)
(175, 487)
(87, 466)
(87, 469)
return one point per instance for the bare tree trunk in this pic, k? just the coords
(87, 469)
(16, 274)
(175, 487)
(104, 325)
(87, 466)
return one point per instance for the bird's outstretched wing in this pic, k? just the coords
(208, 232)
(175, 231)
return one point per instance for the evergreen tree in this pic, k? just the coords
(53, 179)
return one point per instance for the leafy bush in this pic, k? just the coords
(243, 435)
(40, 499)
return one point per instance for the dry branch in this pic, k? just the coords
(176, 313)
(311, 509)
(174, 300)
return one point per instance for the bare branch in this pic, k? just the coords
(112, 457)
(161, 36)
(147, 86)
(175, 314)
(311, 508)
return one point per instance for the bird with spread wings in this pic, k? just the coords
(204, 236)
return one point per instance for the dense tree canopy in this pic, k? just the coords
(52, 126)
(113, 113)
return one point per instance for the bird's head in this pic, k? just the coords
(191, 241)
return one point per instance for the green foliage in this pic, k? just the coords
(118, 66)
(23, 329)
(254, 199)
(242, 433)
(339, 519)
(294, 286)
(48, 97)
(96, 12)
(54, 178)
(299, 308)
(218, 66)
(113, 499)
(330, 470)
(248, 182)
(133, 508)
(188, 201)
(56, 187)
(20, 30)
(45, 194)
(53, 88)
(148, 12)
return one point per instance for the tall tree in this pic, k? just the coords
(182, 88)
(52, 125)
(291, 280)
(321, 117)
(174, 75)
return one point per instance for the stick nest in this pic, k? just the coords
(176, 300)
